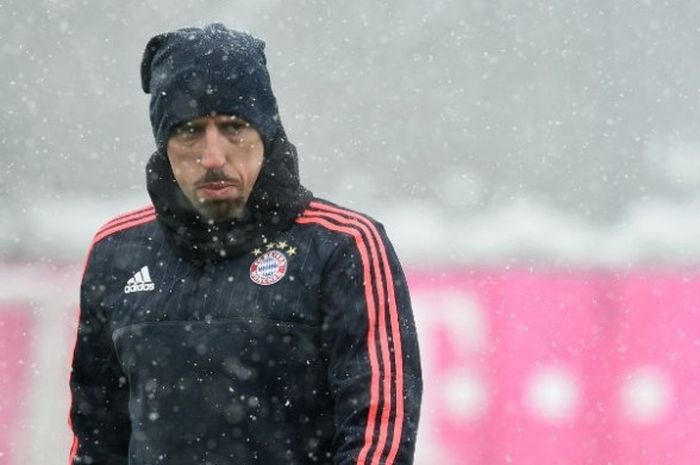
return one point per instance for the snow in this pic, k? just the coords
(509, 135)
(519, 233)
(523, 232)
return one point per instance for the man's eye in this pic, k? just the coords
(232, 127)
(186, 131)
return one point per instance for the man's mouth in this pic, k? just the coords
(217, 190)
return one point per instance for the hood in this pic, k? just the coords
(276, 200)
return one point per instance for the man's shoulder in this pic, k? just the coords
(120, 245)
(332, 216)
(341, 227)
(125, 222)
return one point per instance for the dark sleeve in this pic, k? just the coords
(99, 391)
(371, 343)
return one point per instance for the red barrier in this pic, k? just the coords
(559, 368)
(15, 368)
(526, 368)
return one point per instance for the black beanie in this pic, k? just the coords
(194, 72)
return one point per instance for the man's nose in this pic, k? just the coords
(213, 155)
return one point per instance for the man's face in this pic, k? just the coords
(216, 161)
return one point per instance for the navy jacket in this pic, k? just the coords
(300, 349)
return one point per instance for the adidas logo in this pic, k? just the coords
(141, 281)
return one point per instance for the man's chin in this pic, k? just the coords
(220, 210)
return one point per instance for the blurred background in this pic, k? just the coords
(536, 164)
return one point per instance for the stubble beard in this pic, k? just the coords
(220, 210)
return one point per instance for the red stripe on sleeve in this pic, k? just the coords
(128, 215)
(122, 226)
(383, 337)
(126, 218)
(395, 329)
(73, 448)
(372, 317)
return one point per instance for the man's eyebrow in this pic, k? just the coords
(232, 119)
(191, 123)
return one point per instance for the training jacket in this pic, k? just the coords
(302, 350)
(282, 337)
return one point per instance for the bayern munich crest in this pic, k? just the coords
(271, 265)
(268, 268)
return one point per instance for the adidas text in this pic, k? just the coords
(141, 281)
(139, 287)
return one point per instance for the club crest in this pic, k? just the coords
(268, 268)
(271, 262)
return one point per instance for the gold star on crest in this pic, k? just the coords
(282, 246)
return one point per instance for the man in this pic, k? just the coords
(238, 320)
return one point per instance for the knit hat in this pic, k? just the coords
(194, 72)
